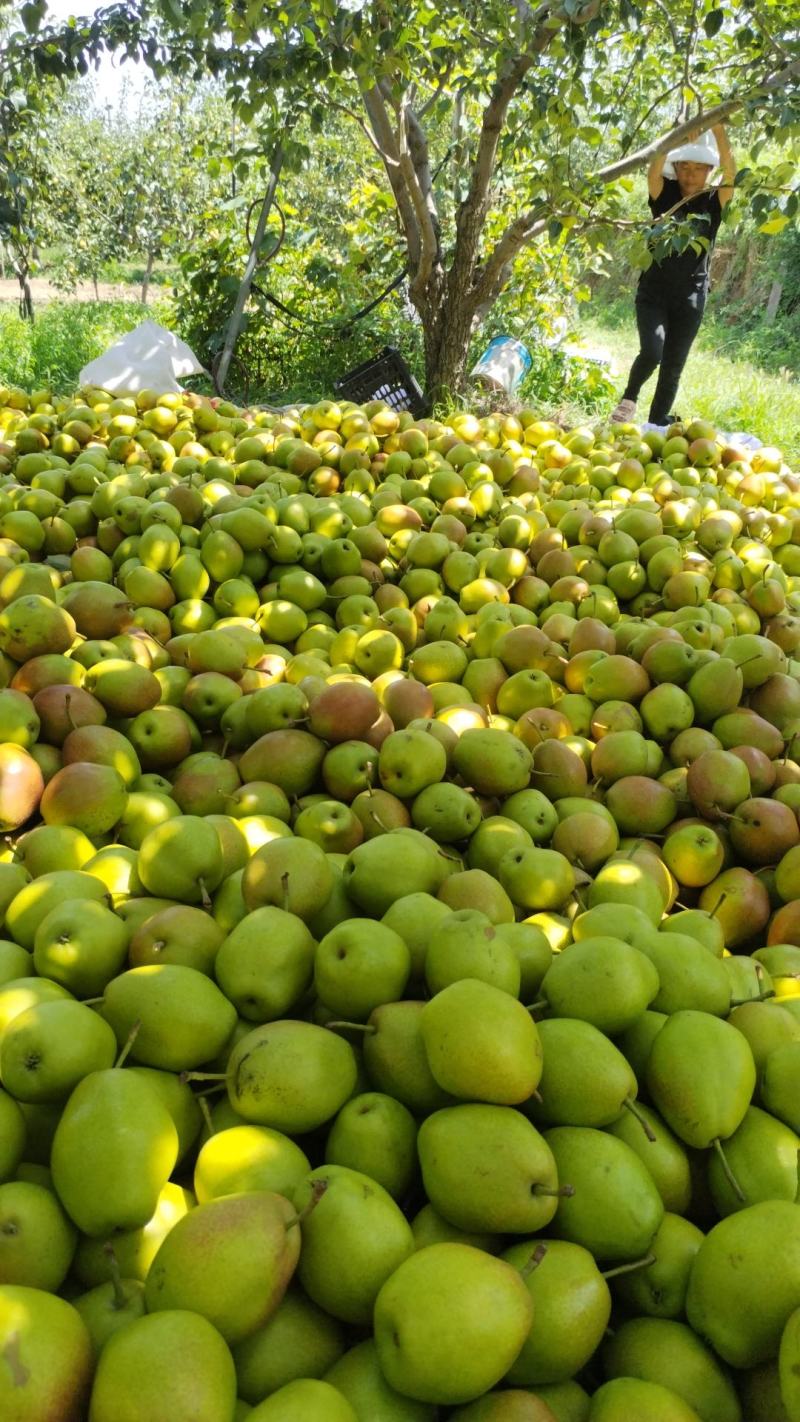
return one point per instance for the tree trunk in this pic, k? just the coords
(447, 323)
(147, 275)
(96, 287)
(25, 297)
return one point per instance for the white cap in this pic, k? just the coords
(705, 151)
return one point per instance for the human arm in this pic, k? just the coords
(727, 163)
(655, 176)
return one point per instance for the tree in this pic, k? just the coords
(497, 125)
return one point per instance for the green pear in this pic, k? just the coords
(625, 883)
(481, 1044)
(467, 944)
(135, 1249)
(180, 1101)
(358, 966)
(567, 1401)
(789, 1366)
(395, 1058)
(16, 962)
(413, 916)
(48, 1049)
(701, 1077)
(305, 1397)
(492, 838)
(762, 1157)
(298, 1341)
(734, 1302)
(585, 1080)
(357, 1376)
(113, 1151)
(487, 1168)
(665, 1351)
(20, 994)
(353, 1240)
(382, 870)
(662, 1153)
(34, 901)
(690, 978)
(290, 1075)
(610, 920)
(430, 1227)
(779, 1093)
(13, 877)
(659, 1289)
(46, 1356)
(37, 1241)
(449, 1323)
(571, 1309)
(265, 964)
(109, 1307)
(181, 859)
(377, 1136)
(292, 874)
(767, 1026)
(244, 1158)
(696, 923)
(760, 1393)
(509, 1405)
(622, 1399)
(181, 934)
(493, 762)
(50, 847)
(13, 1133)
(252, 1238)
(603, 981)
(172, 1364)
(636, 1043)
(603, 1171)
(183, 1018)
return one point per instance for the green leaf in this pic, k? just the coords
(774, 225)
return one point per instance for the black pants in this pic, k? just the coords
(668, 324)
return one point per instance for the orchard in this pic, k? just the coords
(400, 894)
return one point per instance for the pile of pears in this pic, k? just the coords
(400, 914)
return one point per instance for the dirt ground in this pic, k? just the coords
(42, 290)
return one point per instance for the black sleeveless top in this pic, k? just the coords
(684, 271)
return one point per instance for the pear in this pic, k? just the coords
(767, 1026)
(292, 874)
(45, 1357)
(689, 977)
(304, 1398)
(253, 1239)
(571, 1309)
(510, 1405)
(171, 1364)
(604, 1172)
(33, 902)
(13, 1133)
(449, 1323)
(661, 1152)
(737, 1305)
(487, 1168)
(82, 946)
(113, 1151)
(358, 966)
(184, 1019)
(762, 1157)
(382, 870)
(37, 1241)
(468, 945)
(395, 1058)
(779, 1084)
(377, 1136)
(585, 1081)
(429, 1227)
(265, 964)
(298, 1341)
(568, 1401)
(244, 1158)
(701, 1077)
(789, 1366)
(353, 1239)
(181, 859)
(48, 1049)
(636, 1044)
(109, 1307)
(622, 1399)
(665, 1351)
(659, 1289)
(357, 1376)
(413, 916)
(290, 1075)
(603, 981)
(134, 1249)
(481, 1044)
(180, 1101)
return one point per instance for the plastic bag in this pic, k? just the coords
(147, 358)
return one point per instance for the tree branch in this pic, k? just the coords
(387, 145)
(424, 206)
(343, 109)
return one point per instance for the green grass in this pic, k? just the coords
(735, 393)
(63, 338)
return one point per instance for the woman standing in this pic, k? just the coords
(671, 295)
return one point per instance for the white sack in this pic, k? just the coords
(147, 358)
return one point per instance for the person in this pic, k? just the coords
(672, 293)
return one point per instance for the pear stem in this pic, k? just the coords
(203, 1076)
(564, 1192)
(127, 1044)
(205, 898)
(352, 1027)
(120, 1297)
(318, 1189)
(536, 1006)
(206, 1114)
(285, 888)
(631, 1106)
(629, 1268)
(729, 1175)
(534, 1261)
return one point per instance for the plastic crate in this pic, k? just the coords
(385, 377)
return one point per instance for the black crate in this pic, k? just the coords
(385, 377)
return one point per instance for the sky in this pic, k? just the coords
(111, 76)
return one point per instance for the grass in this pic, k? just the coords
(738, 395)
(64, 337)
